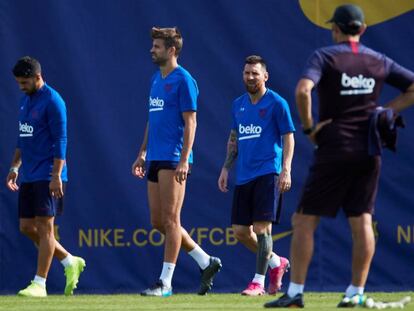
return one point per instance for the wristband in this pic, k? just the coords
(308, 131)
(14, 169)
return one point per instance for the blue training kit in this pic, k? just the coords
(169, 98)
(260, 128)
(42, 134)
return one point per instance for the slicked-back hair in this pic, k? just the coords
(255, 59)
(27, 67)
(171, 36)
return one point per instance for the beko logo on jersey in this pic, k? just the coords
(251, 130)
(359, 85)
(25, 129)
(156, 104)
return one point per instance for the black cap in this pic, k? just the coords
(349, 18)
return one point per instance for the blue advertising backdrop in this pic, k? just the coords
(96, 54)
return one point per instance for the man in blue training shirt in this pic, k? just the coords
(344, 175)
(167, 147)
(262, 141)
(40, 156)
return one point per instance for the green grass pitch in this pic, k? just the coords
(313, 301)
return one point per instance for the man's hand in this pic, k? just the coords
(318, 127)
(138, 167)
(222, 181)
(284, 181)
(56, 187)
(11, 181)
(181, 171)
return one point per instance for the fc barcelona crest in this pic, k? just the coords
(262, 113)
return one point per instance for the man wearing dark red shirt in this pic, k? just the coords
(348, 77)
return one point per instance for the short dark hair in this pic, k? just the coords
(171, 36)
(255, 59)
(27, 67)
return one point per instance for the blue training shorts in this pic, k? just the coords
(35, 200)
(255, 201)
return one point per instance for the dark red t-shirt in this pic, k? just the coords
(349, 78)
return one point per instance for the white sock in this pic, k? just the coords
(258, 278)
(274, 261)
(67, 261)
(353, 290)
(167, 273)
(39, 280)
(295, 289)
(200, 256)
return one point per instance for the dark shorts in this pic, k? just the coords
(255, 201)
(156, 166)
(350, 185)
(35, 200)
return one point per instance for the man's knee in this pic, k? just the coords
(157, 224)
(361, 225)
(45, 228)
(242, 234)
(29, 230)
(171, 222)
(262, 227)
(304, 224)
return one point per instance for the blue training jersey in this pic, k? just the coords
(42, 134)
(169, 98)
(260, 128)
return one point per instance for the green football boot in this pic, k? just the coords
(33, 290)
(73, 273)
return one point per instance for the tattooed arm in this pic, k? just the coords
(228, 163)
(231, 150)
